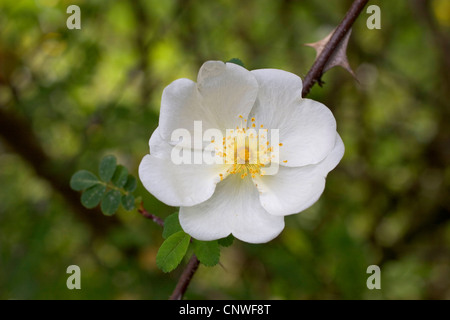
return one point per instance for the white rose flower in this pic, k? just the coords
(237, 198)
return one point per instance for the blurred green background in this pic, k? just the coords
(69, 97)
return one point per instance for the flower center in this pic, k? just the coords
(244, 154)
(247, 150)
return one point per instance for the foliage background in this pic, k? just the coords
(69, 97)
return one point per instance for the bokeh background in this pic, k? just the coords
(69, 97)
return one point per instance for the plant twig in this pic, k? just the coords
(185, 278)
(150, 216)
(316, 70)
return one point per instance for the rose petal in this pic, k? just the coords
(158, 146)
(224, 92)
(234, 208)
(294, 189)
(227, 90)
(306, 128)
(179, 185)
(181, 105)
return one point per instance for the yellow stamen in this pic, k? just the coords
(246, 160)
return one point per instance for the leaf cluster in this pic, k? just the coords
(113, 187)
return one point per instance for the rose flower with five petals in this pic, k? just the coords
(236, 197)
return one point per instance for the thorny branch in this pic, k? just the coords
(150, 216)
(185, 278)
(316, 70)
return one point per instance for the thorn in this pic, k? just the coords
(339, 56)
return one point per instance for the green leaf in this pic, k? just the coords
(236, 61)
(110, 202)
(227, 241)
(91, 197)
(207, 252)
(128, 201)
(131, 183)
(172, 251)
(83, 179)
(120, 176)
(107, 168)
(171, 225)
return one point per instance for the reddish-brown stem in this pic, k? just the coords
(185, 278)
(316, 70)
(150, 216)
